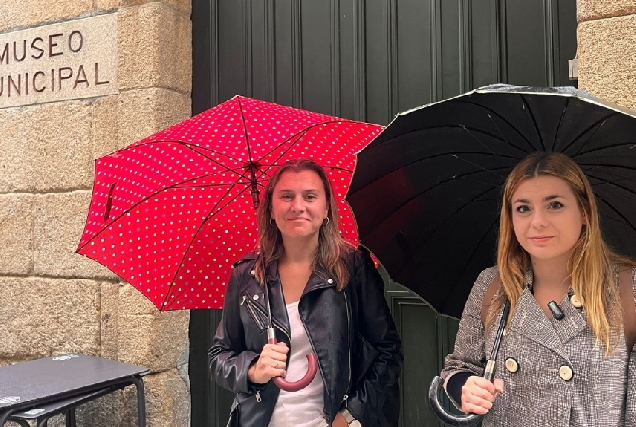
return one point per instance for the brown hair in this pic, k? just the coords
(591, 263)
(332, 247)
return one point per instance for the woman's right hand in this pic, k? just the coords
(478, 394)
(271, 363)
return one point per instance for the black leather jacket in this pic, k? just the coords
(351, 332)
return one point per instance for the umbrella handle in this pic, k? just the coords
(283, 384)
(450, 419)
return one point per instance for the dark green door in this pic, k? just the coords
(368, 60)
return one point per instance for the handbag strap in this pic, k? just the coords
(626, 288)
(494, 286)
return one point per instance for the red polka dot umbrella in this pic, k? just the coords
(172, 212)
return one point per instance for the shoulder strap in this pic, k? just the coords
(494, 286)
(626, 288)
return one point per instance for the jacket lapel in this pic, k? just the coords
(530, 321)
(572, 324)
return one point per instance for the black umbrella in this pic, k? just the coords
(426, 192)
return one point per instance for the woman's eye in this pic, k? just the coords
(556, 205)
(310, 197)
(522, 209)
(286, 197)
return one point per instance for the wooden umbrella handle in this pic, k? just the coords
(282, 383)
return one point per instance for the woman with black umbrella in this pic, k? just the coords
(567, 357)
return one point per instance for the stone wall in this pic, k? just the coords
(607, 49)
(52, 300)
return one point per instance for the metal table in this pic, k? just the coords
(65, 381)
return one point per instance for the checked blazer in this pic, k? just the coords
(556, 375)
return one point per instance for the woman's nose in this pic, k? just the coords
(539, 218)
(297, 204)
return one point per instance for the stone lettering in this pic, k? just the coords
(53, 44)
(70, 60)
(79, 41)
(12, 84)
(81, 77)
(35, 88)
(62, 77)
(4, 56)
(15, 51)
(97, 82)
(34, 47)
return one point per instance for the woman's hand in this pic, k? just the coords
(339, 421)
(271, 363)
(478, 394)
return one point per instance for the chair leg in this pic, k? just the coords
(141, 402)
(70, 418)
(43, 422)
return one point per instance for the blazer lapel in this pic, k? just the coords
(530, 320)
(572, 324)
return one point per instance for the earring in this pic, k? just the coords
(326, 221)
(272, 222)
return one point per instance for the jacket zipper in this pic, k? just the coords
(346, 396)
(253, 308)
(328, 285)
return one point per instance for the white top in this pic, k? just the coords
(302, 408)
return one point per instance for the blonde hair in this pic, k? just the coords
(591, 263)
(332, 247)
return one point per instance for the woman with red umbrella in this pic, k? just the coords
(567, 357)
(313, 292)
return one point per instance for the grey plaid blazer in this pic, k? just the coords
(600, 392)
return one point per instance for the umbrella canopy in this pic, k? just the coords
(426, 192)
(172, 212)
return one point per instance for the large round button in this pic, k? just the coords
(511, 365)
(565, 372)
(576, 301)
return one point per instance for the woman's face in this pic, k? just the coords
(299, 204)
(546, 217)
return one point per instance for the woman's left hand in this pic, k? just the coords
(339, 421)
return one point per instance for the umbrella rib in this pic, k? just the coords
(628, 145)
(446, 221)
(491, 227)
(306, 129)
(558, 129)
(534, 120)
(614, 183)
(519, 133)
(453, 154)
(611, 166)
(185, 144)
(198, 149)
(149, 197)
(594, 126)
(211, 214)
(247, 138)
(422, 129)
(415, 196)
(298, 134)
(625, 219)
(484, 145)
